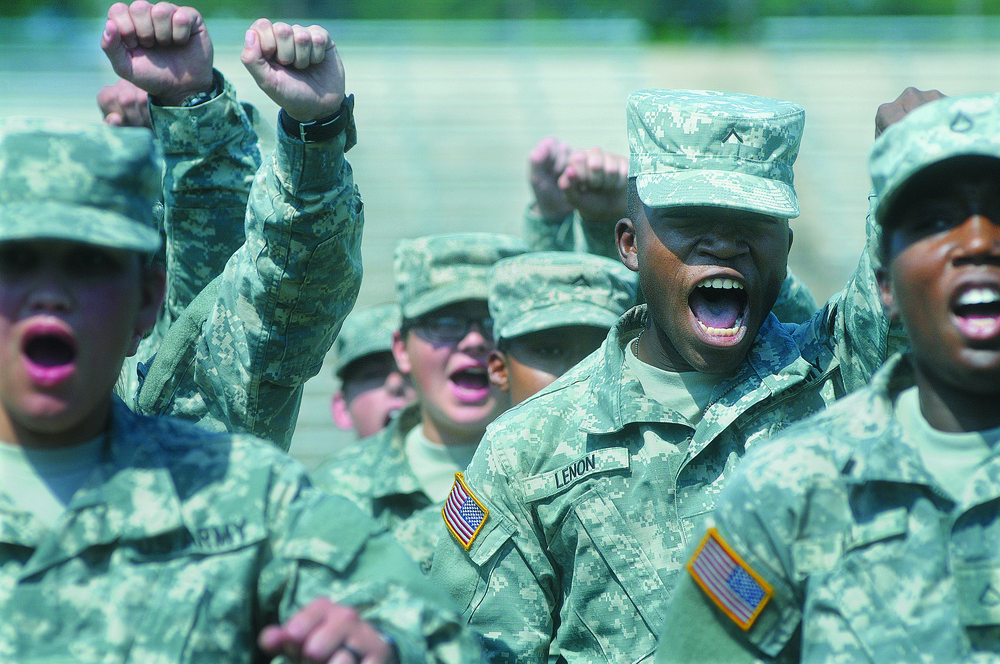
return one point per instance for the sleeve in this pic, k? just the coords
(504, 582)
(211, 156)
(735, 600)
(325, 547)
(281, 298)
(853, 325)
(543, 234)
(795, 303)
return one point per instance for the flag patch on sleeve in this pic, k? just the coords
(735, 588)
(463, 513)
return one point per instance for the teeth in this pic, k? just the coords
(979, 296)
(724, 283)
(722, 332)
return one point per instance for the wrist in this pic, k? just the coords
(322, 129)
(193, 97)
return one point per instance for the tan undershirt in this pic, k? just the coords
(42, 482)
(687, 392)
(950, 458)
(435, 464)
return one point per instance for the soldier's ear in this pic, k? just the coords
(399, 353)
(496, 367)
(885, 293)
(625, 238)
(341, 415)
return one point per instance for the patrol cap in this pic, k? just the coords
(547, 289)
(939, 130)
(721, 149)
(83, 182)
(437, 270)
(365, 332)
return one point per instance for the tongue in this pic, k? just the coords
(715, 309)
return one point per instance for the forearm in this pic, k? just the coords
(284, 295)
(211, 156)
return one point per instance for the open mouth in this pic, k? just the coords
(719, 305)
(977, 311)
(471, 383)
(49, 350)
(49, 355)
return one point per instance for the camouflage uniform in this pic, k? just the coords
(182, 544)
(840, 517)
(185, 544)
(590, 491)
(861, 554)
(220, 355)
(375, 473)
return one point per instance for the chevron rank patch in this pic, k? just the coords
(735, 588)
(463, 513)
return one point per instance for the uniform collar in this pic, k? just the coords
(772, 365)
(386, 451)
(131, 496)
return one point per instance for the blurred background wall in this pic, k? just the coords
(451, 96)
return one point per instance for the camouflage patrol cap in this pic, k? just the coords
(547, 289)
(437, 270)
(83, 182)
(939, 130)
(365, 332)
(721, 149)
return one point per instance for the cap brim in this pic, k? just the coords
(442, 296)
(558, 316)
(58, 221)
(727, 189)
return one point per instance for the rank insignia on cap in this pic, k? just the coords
(463, 513)
(739, 591)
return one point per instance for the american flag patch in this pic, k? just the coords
(463, 513)
(739, 591)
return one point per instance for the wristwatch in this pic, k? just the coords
(322, 129)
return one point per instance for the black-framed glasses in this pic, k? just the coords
(451, 328)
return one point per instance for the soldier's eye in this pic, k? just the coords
(17, 259)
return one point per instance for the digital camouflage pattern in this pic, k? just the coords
(365, 332)
(945, 128)
(547, 289)
(594, 490)
(863, 549)
(700, 147)
(81, 182)
(184, 544)
(376, 475)
(239, 359)
(434, 271)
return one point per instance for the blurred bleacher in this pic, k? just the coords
(447, 112)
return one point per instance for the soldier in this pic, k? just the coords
(550, 310)
(243, 285)
(574, 516)
(372, 388)
(869, 533)
(403, 474)
(152, 539)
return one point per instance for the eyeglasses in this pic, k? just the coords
(451, 328)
